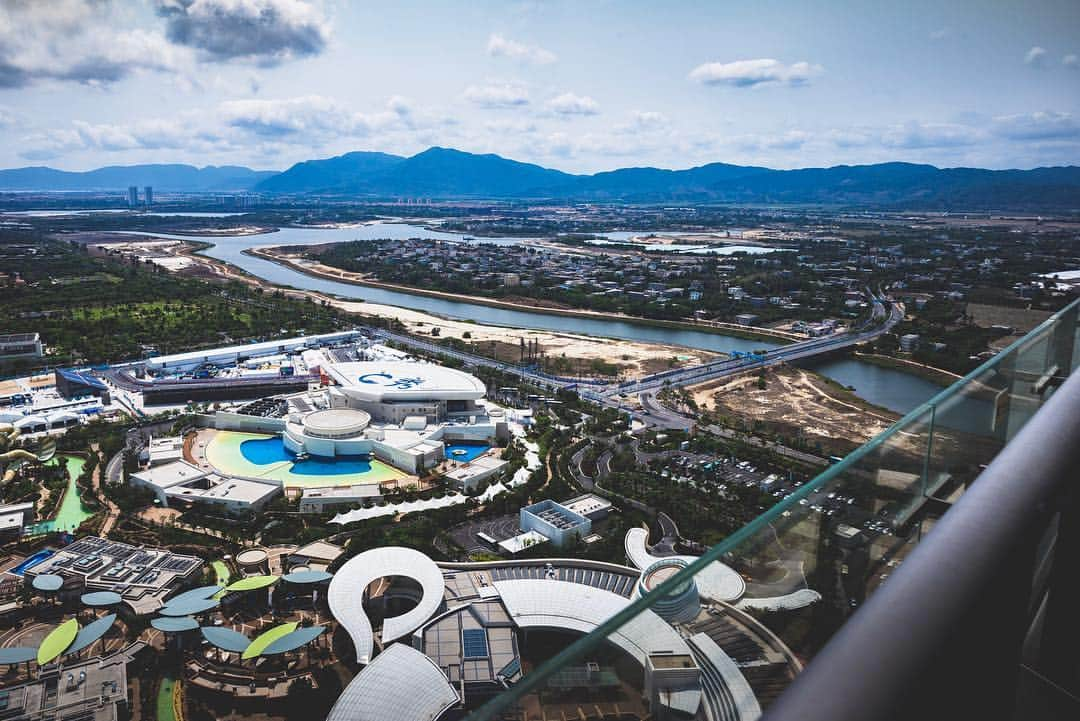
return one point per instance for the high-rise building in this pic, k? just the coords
(133, 196)
(148, 195)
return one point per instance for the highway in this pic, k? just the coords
(609, 394)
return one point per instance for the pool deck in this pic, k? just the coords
(220, 451)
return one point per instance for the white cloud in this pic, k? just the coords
(788, 140)
(312, 116)
(497, 95)
(253, 128)
(650, 119)
(570, 104)
(1037, 126)
(1035, 57)
(917, 135)
(501, 47)
(1071, 61)
(750, 73)
(265, 31)
(80, 41)
(941, 34)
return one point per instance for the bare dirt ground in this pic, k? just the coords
(1021, 319)
(796, 402)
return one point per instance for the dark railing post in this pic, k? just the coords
(1057, 656)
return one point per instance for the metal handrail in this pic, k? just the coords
(879, 662)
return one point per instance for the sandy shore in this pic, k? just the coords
(636, 358)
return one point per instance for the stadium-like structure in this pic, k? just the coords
(467, 634)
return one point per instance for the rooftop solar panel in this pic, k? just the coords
(474, 643)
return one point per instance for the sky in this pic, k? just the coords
(582, 86)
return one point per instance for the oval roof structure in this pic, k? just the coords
(57, 641)
(91, 632)
(101, 598)
(200, 593)
(715, 581)
(268, 637)
(308, 576)
(252, 583)
(48, 582)
(346, 594)
(225, 638)
(401, 683)
(11, 656)
(190, 607)
(381, 381)
(175, 625)
(290, 642)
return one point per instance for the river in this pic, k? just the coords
(886, 387)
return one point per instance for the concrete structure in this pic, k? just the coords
(180, 482)
(142, 576)
(590, 506)
(679, 604)
(317, 555)
(235, 354)
(15, 346)
(555, 522)
(148, 195)
(909, 342)
(716, 581)
(163, 450)
(13, 517)
(76, 384)
(399, 412)
(133, 196)
(91, 690)
(322, 500)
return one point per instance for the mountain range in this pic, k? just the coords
(170, 177)
(445, 173)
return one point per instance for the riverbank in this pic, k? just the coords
(940, 376)
(320, 270)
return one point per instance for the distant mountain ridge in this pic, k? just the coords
(444, 173)
(447, 173)
(163, 177)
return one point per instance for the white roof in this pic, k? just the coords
(550, 603)
(401, 683)
(346, 594)
(520, 542)
(715, 581)
(238, 490)
(247, 349)
(380, 381)
(741, 695)
(170, 474)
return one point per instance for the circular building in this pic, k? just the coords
(253, 560)
(680, 604)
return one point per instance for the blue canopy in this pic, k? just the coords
(225, 638)
(190, 607)
(308, 576)
(11, 656)
(101, 598)
(175, 625)
(195, 594)
(48, 582)
(91, 632)
(292, 641)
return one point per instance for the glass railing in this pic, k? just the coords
(811, 560)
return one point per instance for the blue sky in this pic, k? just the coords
(581, 86)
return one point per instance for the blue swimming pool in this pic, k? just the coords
(465, 452)
(31, 561)
(265, 451)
